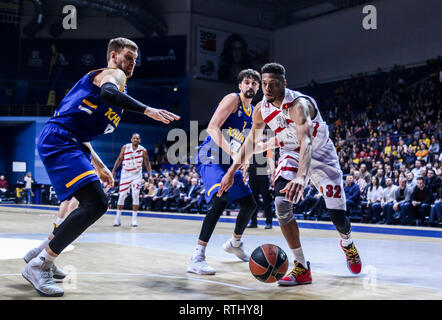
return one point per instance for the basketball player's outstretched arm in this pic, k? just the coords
(300, 114)
(112, 82)
(102, 171)
(227, 106)
(118, 162)
(246, 151)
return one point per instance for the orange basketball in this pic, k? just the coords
(268, 263)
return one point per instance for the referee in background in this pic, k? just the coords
(259, 183)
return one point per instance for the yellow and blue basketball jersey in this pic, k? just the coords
(213, 162)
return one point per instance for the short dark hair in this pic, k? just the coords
(420, 178)
(119, 44)
(249, 73)
(275, 68)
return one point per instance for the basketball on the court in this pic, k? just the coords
(268, 263)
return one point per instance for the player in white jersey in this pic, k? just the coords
(132, 155)
(306, 153)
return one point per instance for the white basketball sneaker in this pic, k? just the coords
(134, 223)
(237, 251)
(58, 272)
(41, 277)
(199, 265)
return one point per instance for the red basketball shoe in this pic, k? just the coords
(299, 275)
(353, 260)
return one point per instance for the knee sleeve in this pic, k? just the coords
(340, 220)
(247, 208)
(284, 210)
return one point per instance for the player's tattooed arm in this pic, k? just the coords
(118, 162)
(300, 114)
(102, 171)
(246, 150)
(227, 106)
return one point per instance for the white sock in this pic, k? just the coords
(236, 242)
(43, 244)
(299, 256)
(200, 250)
(59, 221)
(118, 217)
(44, 256)
(346, 239)
(134, 215)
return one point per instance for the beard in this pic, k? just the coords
(249, 94)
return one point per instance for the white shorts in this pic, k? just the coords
(133, 182)
(325, 173)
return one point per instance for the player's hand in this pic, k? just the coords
(226, 183)
(161, 115)
(106, 176)
(294, 190)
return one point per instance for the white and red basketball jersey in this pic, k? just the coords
(132, 160)
(324, 171)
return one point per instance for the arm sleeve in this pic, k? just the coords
(111, 95)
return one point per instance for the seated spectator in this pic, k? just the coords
(364, 172)
(313, 204)
(173, 195)
(3, 186)
(146, 194)
(191, 197)
(402, 196)
(431, 181)
(411, 181)
(374, 197)
(417, 169)
(157, 199)
(421, 200)
(436, 210)
(352, 195)
(388, 197)
(381, 177)
(359, 180)
(410, 157)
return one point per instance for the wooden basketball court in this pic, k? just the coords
(149, 262)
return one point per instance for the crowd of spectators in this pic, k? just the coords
(388, 142)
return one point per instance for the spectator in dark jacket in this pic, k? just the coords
(421, 200)
(352, 194)
(173, 195)
(191, 196)
(157, 199)
(436, 210)
(432, 181)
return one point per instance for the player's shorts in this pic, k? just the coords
(132, 182)
(67, 161)
(325, 173)
(212, 174)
